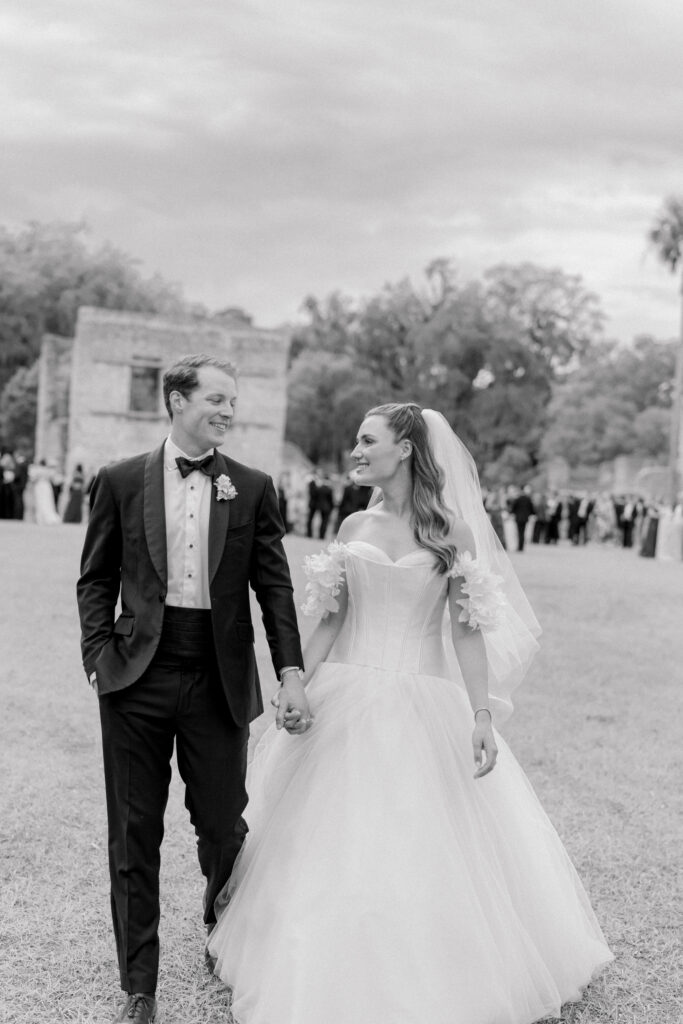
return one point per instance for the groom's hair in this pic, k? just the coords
(182, 376)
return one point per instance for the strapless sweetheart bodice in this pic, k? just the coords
(395, 613)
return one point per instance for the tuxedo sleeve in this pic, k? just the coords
(271, 582)
(97, 590)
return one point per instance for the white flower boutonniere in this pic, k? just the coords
(225, 489)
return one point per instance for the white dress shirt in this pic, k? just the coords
(187, 502)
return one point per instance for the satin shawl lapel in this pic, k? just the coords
(154, 512)
(219, 517)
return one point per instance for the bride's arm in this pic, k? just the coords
(327, 630)
(471, 653)
(323, 636)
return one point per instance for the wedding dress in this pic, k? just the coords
(43, 496)
(380, 882)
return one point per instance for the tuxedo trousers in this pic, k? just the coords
(178, 700)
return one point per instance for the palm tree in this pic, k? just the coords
(667, 236)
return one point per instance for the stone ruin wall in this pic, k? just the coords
(107, 345)
(54, 381)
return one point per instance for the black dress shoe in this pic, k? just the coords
(210, 961)
(139, 1008)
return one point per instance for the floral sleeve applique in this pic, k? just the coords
(483, 607)
(325, 574)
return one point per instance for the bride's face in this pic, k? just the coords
(378, 454)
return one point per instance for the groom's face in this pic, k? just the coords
(202, 419)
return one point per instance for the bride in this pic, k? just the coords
(387, 879)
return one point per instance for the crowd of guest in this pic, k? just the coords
(36, 491)
(521, 516)
(317, 504)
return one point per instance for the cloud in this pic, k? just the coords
(260, 151)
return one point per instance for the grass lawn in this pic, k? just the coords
(598, 729)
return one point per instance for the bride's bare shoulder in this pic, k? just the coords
(356, 524)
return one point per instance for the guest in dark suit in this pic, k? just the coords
(73, 513)
(541, 521)
(325, 505)
(573, 503)
(354, 499)
(522, 510)
(282, 501)
(583, 514)
(19, 483)
(182, 533)
(553, 519)
(313, 486)
(627, 522)
(494, 509)
(619, 503)
(648, 544)
(7, 475)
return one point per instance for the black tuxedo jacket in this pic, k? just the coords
(125, 553)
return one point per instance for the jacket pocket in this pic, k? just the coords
(245, 632)
(237, 529)
(124, 625)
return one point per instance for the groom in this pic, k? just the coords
(181, 534)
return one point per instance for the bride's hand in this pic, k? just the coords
(293, 711)
(484, 744)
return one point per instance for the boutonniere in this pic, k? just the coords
(225, 489)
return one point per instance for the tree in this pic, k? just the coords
(388, 327)
(327, 396)
(559, 318)
(47, 272)
(331, 327)
(18, 405)
(486, 355)
(652, 428)
(667, 236)
(616, 403)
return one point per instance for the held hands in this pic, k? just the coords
(484, 744)
(293, 711)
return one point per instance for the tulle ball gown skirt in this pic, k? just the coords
(382, 884)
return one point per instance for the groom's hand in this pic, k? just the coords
(293, 711)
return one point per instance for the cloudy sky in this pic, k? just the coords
(257, 151)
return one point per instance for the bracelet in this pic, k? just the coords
(290, 668)
(477, 710)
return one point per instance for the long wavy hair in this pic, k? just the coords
(431, 520)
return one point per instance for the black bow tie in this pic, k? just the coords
(187, 466)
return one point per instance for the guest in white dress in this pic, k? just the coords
(44, 508)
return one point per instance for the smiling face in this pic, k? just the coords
(379, 456)
(202, 418)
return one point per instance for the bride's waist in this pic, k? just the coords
(426, 657)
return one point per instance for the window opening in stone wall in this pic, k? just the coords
(144, 389)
